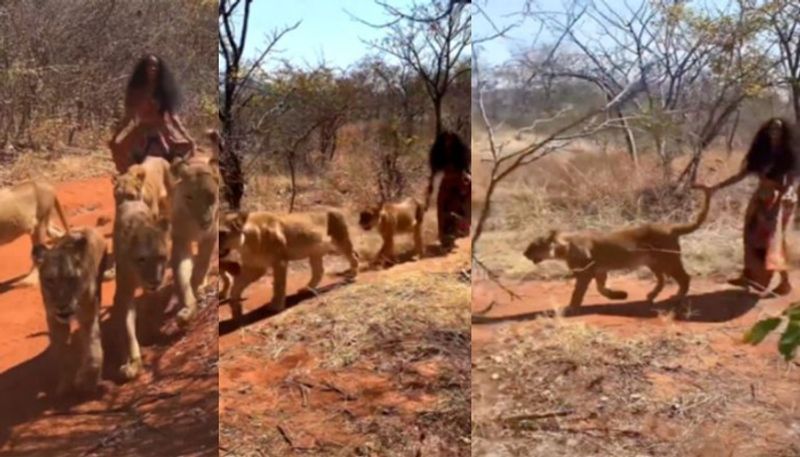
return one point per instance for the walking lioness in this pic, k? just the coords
(392, 219)
(194, 207)
(71, 273)
(26, 209)
(591, 255)
(141, 248)
(265, 240)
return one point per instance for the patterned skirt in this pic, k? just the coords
(453, 207)
(768, 217)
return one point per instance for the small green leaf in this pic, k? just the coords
(790, 340)
(761, 330)
(793, 313)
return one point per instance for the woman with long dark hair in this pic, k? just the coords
(773, 158)
(152, 100)
(450, 157)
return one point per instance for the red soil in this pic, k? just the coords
(170, 410)
(292, 405)
(719, 314)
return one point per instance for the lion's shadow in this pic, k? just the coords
(711, 307)
(27, 390)
(265, 312)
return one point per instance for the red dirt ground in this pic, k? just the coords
(291, 405)
(170, 410)
(718, 313)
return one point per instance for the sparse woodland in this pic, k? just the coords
(362, 131)
(64, 66)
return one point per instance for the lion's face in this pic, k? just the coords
(150, 253)
(129, 186)
(231, 233)
(197, 191)
(541, 248)
(367, 219)
(62, 275)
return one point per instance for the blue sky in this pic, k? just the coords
(326, 29)
(505, 12)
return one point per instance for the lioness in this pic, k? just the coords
(26, 209)
(149, 181)
(71, 272)
(141, 247)
(591, 255)
(264, 240)
(395, 218)
(195, 215)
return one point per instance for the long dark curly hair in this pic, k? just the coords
(774, 161)
(449, 150)
(166, 90)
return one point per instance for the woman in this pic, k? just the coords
(450, 156)
(152, 100)
(773, 157)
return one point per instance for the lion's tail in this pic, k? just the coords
(52, 231)
(684, 229)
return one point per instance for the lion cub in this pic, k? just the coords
(149, 181)
(141, 249)
(70, 276)
(591, 255)
(265, 240)
(392, 219)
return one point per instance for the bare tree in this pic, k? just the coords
(234, 18)
(434, 47)
(784, 20)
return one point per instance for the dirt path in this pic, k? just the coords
(282, 390)
(621, 375)
(172, 407)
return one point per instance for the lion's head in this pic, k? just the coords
(231, 232)
(197, 190)
(68, 271)
(543, 247)
(149, 252)
(368, 218)
(129, 186)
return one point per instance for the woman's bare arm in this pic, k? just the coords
(126, 119)
(732, 180)
(179, 125)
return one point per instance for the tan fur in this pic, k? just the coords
(392, 219)
(71, 274)
(26, 209)
(268, 240)
(141, 249)
(150, 182)
(591, 255)
(195, 213)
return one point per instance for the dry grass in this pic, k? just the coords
(589, 393)
(354, 321)
(55, 167)
(585, 188)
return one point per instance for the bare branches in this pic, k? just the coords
(237, 78)
(434, 48)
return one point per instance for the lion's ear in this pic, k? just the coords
(164, 224)
(178, 168)
(37, 254)
(241, 219)
(139, 173)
